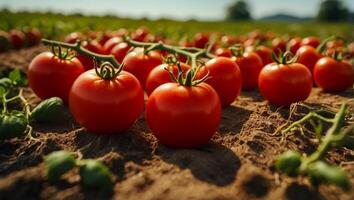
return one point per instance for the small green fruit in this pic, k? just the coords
(289, 162)
(95, 175)
(58, 163)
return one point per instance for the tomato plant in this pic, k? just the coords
(333, 75)
(278, 45)
(140, 63)
(225, 78)
(93, 46)
(52, 74)
(285, 82)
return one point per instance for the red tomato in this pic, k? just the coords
(140, 34)
(105, 37)
(223, 52)
(295, 44)
(332, 75)
(33, 36)
(225, 78)
(50, 76)
(93, 46)
(140, 65)
(311, 41)
(308, 56)
(201, 40)
(73, 37)
(283, 84)
(17, 39)
(159, 76)
(106, 106)
(278, 45)
(108, 46)
(250, 65)
(263, 52)
(228, 40)
(182, 116)
(120, 51)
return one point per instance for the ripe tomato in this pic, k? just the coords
(50, 76)
(308, 56)
(108, 46)
(332, 75)
(73, 37)
(120, 51)
(140, 34)
(278, 45)
(201, 40)
(283, 84)
(33, 36)
(228, 40)
(105, 37)
(159, 76)
(225, 78)
(183, 116)
(223, 52)
(265, 53)
(17, 39)
(311, 41)
(140, 64)
(106, 106)
(295, 44)
(250, 65)
(93, 46)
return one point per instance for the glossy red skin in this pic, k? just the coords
(332, 75)
(106, 106)
(311, 41)
(201, 40)
(17, 39)
(228, 40)
(282, 84)
(140, 34)
(183, 117)
(223, 52)
(93, 46)
(111, 43)
(278, 45)
(73, 37)
(250, 65)
(295, 44)
(50, 76)
(33, 37)
(225, 78)
(308, 56)
(105, 37)
(120, 51)
(140, 65)
(159, 76)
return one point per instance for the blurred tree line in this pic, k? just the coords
(329, 10)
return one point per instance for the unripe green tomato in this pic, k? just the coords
(48, 110)
(58, 163)
(95, 175)
(289, 162)
(321, 172)
(12, 126)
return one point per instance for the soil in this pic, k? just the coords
(238, 163)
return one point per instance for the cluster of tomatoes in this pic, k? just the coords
(183, 107)
(16, 39)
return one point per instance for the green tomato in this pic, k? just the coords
(48, 110)
(321, 172)
(289, 162)
(58, 163)
(94, 174)
(12, 125)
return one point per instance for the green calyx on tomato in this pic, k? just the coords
(284, 58)
(237, 50)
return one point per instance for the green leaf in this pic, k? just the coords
(15, 75)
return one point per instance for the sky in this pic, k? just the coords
(175, 9)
